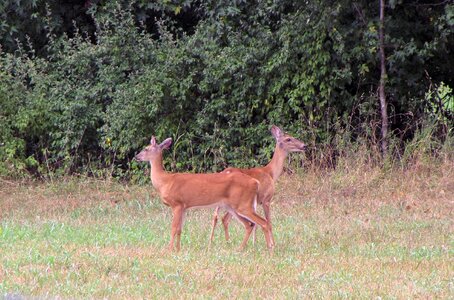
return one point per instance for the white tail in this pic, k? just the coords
(235, 192)
(267, 176)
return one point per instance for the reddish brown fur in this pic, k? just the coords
(235, 191)
(267, 176)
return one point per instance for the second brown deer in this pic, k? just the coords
(267, 176)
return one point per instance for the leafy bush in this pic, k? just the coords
(92, 101)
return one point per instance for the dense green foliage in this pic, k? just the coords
(213, 75)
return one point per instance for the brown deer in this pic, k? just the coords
(267, 176)
(236, 192)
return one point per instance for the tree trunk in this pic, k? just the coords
(381, 90)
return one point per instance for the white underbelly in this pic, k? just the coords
(213, 205)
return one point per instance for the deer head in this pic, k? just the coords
(153, 150)
(287, 142)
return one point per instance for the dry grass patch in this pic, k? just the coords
(354, 233)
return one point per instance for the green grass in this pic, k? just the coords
(95, 239)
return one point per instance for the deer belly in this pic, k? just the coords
(211, 205)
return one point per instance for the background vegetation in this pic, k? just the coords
(84, 84)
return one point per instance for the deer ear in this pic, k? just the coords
(166, 144)
(276, 131)
(153, 141)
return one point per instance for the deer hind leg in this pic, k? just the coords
(177, 224)
(254, 232)
(248, 226)
(225, 222)
(213, 226)
(252, 216)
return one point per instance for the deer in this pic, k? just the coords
(267, 177)
(235, 191)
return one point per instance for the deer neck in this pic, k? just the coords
(276, 165)
(157, 173)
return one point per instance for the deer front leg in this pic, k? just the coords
(266, 209)
(177, 223)
(213, 226)
(225, 221)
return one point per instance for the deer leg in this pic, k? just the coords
(252, 216)
(266, 209)
(213, 226)
(254, 229)
(248, 226)
(225, 221)
(177, 222)
(179, 230)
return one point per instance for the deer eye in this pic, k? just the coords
(288, 139)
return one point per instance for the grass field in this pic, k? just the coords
(352, 233)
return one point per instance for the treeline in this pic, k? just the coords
(84, 85)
